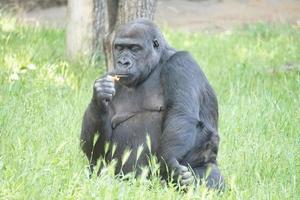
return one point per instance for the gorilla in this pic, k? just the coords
(159, 93)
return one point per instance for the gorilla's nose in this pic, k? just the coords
(124, 62)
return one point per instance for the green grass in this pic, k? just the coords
(41, 112)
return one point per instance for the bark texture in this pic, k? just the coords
(79, 28)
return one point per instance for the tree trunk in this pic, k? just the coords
(92, 24)
(79, 28)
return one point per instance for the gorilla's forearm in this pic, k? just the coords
(88, 130)
(93, 121)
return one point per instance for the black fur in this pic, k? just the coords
(164, 94)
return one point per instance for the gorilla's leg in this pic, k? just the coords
(211, 175)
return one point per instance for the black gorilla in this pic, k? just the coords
(161, 93)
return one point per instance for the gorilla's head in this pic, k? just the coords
(138, 47)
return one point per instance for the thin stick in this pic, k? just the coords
(116, 78)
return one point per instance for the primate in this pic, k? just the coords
(157, 91)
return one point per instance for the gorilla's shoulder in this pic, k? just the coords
(180, 55)
(180, 64)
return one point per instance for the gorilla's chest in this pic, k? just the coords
(138, 112)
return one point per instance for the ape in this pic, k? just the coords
(161, 93)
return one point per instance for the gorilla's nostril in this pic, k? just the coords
(124, 63)
(127, 63)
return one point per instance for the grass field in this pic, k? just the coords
(255, 71)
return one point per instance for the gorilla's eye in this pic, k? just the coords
(135, 48)
(155, 43)
(119, 47)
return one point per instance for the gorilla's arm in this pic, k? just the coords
(191, 108)
(90, 126)
(95, 120)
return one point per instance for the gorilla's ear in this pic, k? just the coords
(155, 43)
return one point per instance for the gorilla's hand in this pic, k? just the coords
(184, 176)
(104, 88)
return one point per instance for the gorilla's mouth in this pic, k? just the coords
(120, 75)
(124, 77)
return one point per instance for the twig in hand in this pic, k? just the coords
(116, 78)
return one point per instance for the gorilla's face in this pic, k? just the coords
(135, 55)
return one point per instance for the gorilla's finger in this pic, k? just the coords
(109, 78)
(187, 182)
(109, 90)
(184, 168)
(97, 85)
(99, 89)
(106, 96)
(100, 80)
(103, 80)
(186, 175)
(108, 84)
